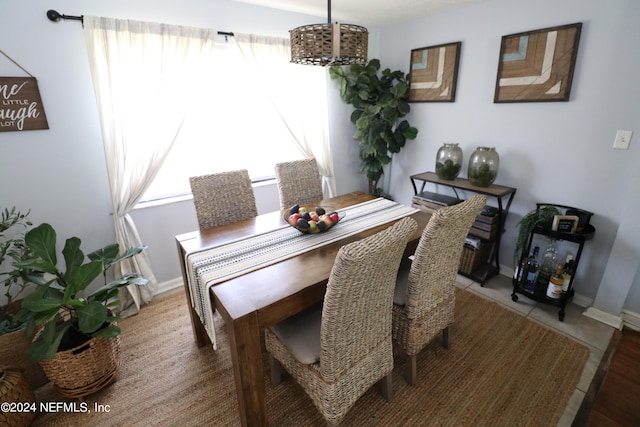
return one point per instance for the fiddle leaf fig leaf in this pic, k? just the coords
(42, 242)
(91, 317)
(81, 278)
(108, 332)
(106, 254)
(73, 256)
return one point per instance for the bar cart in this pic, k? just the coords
(572, 225)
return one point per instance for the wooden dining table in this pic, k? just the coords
(258, 299)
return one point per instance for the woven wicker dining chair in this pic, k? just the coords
(424, 297)
(299, 182)
(223, 198)
(340, 348)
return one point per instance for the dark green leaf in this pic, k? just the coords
(42, 304)
(108, 332)
(48, 342)
(410, 133)
(403, 107)
(81, 278)
(106, 254)
(110, 255)
(42, 242)
(37, 265)
(38, 350)
(73, 256)
(91, 317)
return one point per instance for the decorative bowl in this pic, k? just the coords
(312, 219)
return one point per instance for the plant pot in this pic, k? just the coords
(85, 369)
(14, 351)
(15, 389)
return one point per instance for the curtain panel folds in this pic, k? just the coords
(299, 95)
(142, 80)
(144, 75)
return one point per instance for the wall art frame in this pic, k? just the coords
(434, 73)
(537, 66)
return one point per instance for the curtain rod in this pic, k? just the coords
(54, 16)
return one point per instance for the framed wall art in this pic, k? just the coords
(537, 66)
(434, 73)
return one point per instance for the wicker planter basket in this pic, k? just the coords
(15, 389)
(85, 369)
(14, 350)
(472, 258)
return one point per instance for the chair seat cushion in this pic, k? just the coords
(400, 292)
(301, 334)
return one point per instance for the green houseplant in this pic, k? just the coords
(543, 216)
(380, 101)
(14, 344)
(13, 223)
(76, 336)
(57, 303)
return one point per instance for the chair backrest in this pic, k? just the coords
(298, 182)
(433, 271)
(223, 198)
(356, 315)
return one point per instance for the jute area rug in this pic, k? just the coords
(501, 370)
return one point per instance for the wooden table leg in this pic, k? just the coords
(246, 355)
(199, 332)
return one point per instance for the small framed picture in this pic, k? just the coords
(565, 223)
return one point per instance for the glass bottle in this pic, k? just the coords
(554, 288)
(483, 166)
(530, 271)
(549, 263)
(567, 273)
(448, 161)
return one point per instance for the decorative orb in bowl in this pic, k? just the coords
(312, 219)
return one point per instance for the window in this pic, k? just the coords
(229, 126)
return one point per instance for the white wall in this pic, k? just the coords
(557, 152)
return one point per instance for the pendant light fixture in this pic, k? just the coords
(329, 44)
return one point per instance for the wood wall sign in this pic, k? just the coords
(434, 73)
(20, 105)
(537, 66)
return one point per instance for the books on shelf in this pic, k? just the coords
(431, 202)
(486, 225)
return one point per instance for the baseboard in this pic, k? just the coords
(604, 317)
(582, 300)
(631, 319)
(168, 286)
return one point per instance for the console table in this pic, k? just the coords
(503, 196)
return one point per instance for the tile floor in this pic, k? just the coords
(590, 332)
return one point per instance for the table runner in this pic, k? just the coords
(210, 266)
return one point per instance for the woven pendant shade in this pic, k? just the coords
(329, 44)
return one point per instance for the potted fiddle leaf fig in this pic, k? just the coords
(68, 322)
(380, 102)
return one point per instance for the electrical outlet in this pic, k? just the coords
(623, 138)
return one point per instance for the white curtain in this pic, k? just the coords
(143, 75)
(299, 95)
